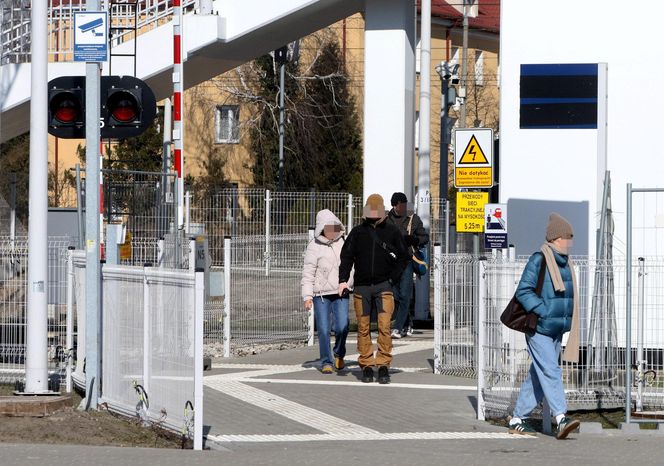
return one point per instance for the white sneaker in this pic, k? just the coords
(409, 331)
(396, 334)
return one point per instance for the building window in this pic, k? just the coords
(479, 67)
(227, 124)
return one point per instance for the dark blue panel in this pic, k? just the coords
(578, 69)
(562, 100)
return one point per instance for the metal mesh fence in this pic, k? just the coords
(149, 343)
(266, 308)
(14, 31)
(122, 292)
(253, 213)
(13, 308)
(472, 294)
(458, 291)
(143, 201)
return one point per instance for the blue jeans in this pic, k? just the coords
(403, 293)
(330, 310)
(544, 377)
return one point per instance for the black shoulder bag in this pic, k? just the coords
(515, 316)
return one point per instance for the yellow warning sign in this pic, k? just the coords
(470, 211)
(473, 153)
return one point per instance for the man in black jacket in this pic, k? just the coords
(379, 255)
(415, 236)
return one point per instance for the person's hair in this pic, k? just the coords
(398, 198)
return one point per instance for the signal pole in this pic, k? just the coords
(92, 228)
(36, 369)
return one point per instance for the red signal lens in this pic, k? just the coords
(125, 111)
(66, 114)
(65, 108)
(123, 107)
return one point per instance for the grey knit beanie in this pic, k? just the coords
(558, 227)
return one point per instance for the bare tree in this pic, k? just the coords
(322, 142)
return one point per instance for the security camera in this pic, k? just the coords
(448, 73)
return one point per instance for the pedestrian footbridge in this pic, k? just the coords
(219, 35)
(232, 33)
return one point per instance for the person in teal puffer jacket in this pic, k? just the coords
(557, 310)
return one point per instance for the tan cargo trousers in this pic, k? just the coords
(378, 298)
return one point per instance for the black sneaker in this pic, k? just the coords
(367, 374)
(383, 375)
(565, 427)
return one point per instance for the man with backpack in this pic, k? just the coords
(415, 236)
(379, 255)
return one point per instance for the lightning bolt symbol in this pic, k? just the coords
(472, 152)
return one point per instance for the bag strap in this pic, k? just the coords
(540, 277)
(377, 240)
(410, 224)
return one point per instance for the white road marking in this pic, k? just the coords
(358, 384)
(369, 436)
(299, 367)
(332, 428)
(289, 409)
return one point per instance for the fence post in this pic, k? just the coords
(268, 201)
(640, 362)
(187, 211)
(447, 226)
(628, 310)
(227, 296)
(437, 309)
(199, 307)
(12, 211)
(147, 332)
(160, 253)
(481, 336)
(192, 254)
(69, 340)
(349, 220)
(310, 312)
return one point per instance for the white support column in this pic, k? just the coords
(602, 134)
(93, 269)
(389, 88)
(424, 145)
(349, 220)
(36, 369)
(227, 296)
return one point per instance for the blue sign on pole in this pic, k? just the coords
(91, 36)
(495, 226)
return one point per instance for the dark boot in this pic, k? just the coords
(367, 374)
(383, 375)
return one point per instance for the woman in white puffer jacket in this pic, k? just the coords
(320, 285)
